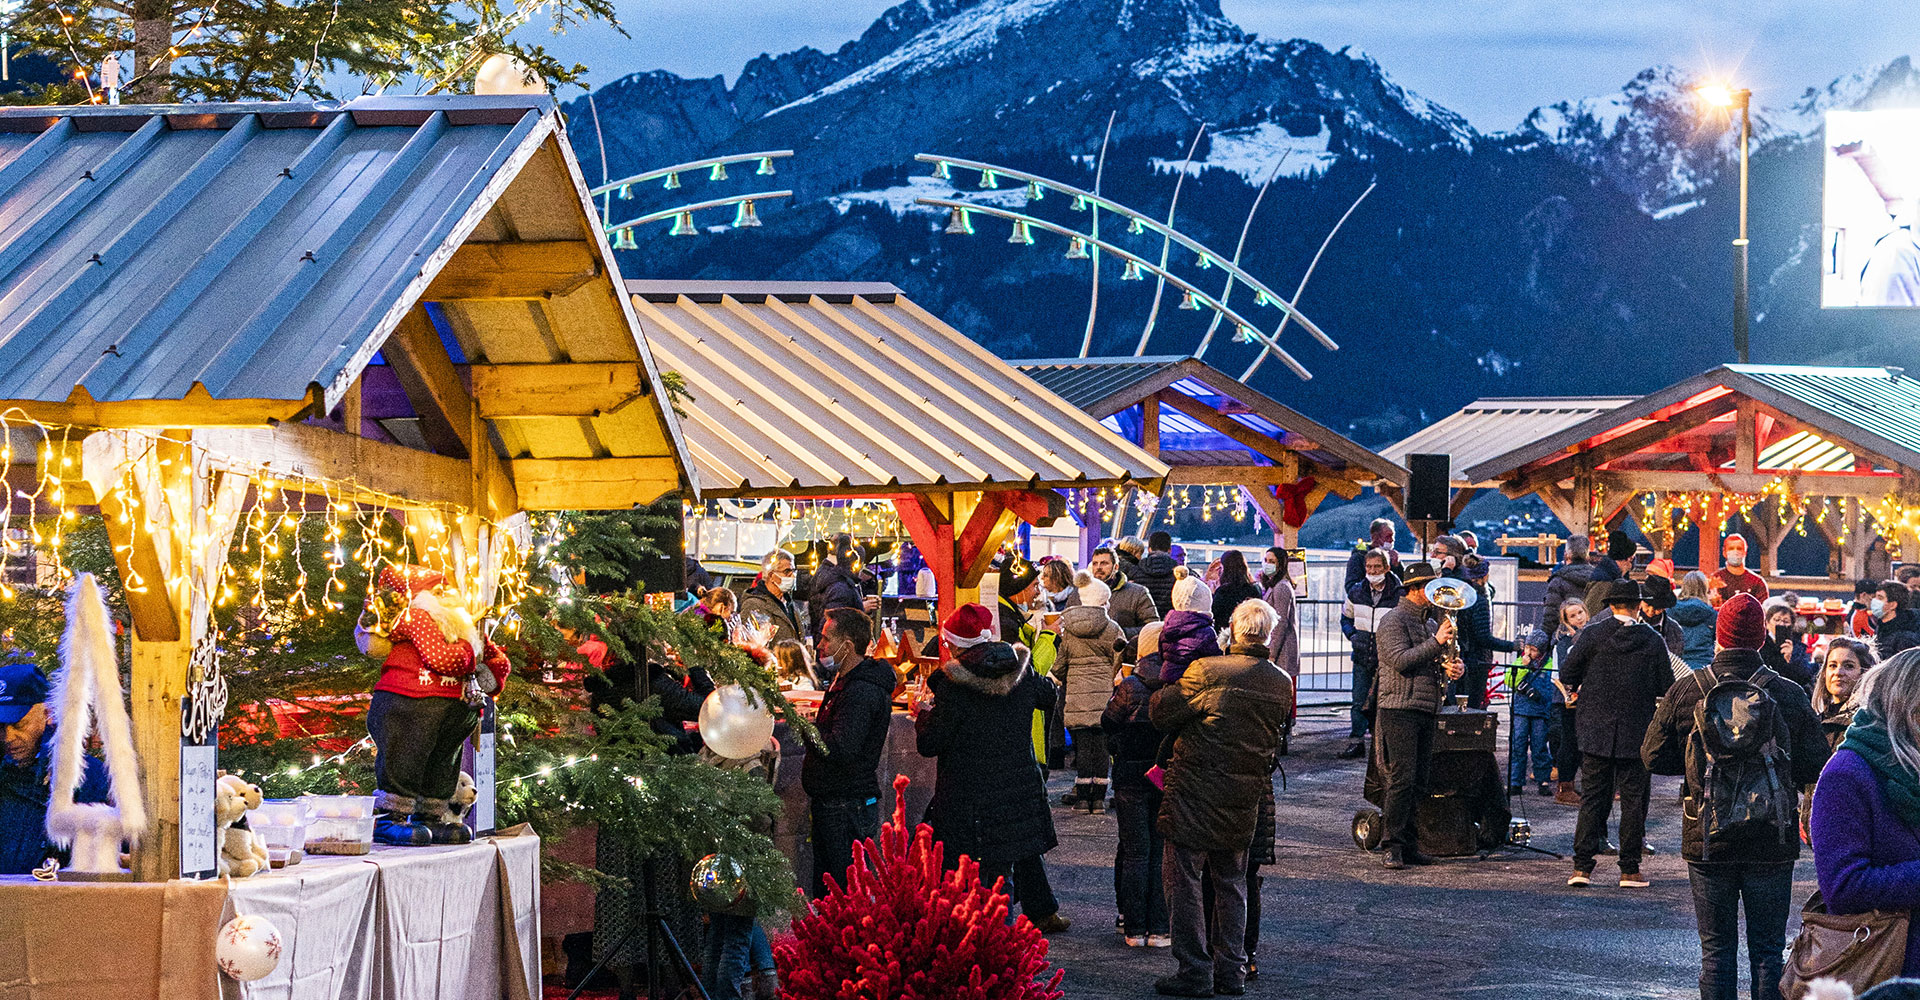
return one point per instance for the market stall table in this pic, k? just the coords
(417, 923)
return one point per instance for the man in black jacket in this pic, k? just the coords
(841, 772)
(1156, 571)
(1896, 628)
(1756, 870)
(840, 582)
(1616, 671)
(1379, 536)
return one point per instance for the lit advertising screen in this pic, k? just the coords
(1870, 257)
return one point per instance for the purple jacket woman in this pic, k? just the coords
(1866, 858)
(1185, 636)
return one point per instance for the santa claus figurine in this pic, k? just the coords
(426, 703)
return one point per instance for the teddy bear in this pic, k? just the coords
(242, 852)
(465, 794)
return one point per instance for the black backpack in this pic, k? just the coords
(1737, 767)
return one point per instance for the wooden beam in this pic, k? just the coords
(1461, 497)
(419, 361)
(1746, 438)
(197, 408)
(1272, 509)
(1231, 475)
(564, 389)
(591, 483)
(1150, 425)
(514, 271)
(352, 408)
(1039, 508)
(1527, 480)
(391, 473)
(1870, 488)
(929, 522)
(1258, 443)
(987, 526)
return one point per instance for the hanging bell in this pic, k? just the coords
(1187, 301)
(623, 240)
(1205, 263)
(717, 172)
(941, 172)
(683, 225)
(766, 167)
(1244, 334)
(626, 192)
(744, 217)
(1035, 191)
(989, 180)
(1131, 272)
(1021, 234)
(1134, 225)
(673, 182)
(1079, 202)
(1077, 249)
(959, 223)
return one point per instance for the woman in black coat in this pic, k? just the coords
(989, 797)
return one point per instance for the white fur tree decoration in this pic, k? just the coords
(86, 693)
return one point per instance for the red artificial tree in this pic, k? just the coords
(904, 927)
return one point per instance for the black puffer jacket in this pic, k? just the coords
(1226, 715)
(1665, 750)
(833, 587)
(1568, 582)
(853, 722)
(1156, 574)
(1475, 625)
(1896, 634)
(1619, 669)
(1131, 737)
(989, 797)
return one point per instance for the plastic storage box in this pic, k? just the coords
(339, 824)
(281, 823)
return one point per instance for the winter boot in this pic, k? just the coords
(1565, 795)
(393, 822)
(441, 824)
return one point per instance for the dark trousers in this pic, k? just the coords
(1403, 738)
(1026, 885)
(1567, 756)
(837, 823)
(1473, 685)
(1090, 760)
(417, 743)
(1600, 777)
(1219, 956)
(1254, 882)
(1143, 899)
(1360, 721)
(1720, 889)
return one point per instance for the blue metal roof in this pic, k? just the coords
(256, 249)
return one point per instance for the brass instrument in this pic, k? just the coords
(1451, 596)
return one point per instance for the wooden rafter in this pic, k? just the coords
(512, 271)
(567, 389)
(419, 361)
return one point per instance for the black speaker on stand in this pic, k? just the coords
(1429, 493)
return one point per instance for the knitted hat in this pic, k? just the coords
(1093, 593)
(1016, 576)
(1193, 594)
(968, 626)
(1742, 624)
(1662, 568)
(1149, 641)
(1538, 639)
(1619, 546)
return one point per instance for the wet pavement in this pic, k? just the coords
(1337, 924)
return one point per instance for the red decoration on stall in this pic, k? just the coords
(1294, 495)
(904, 927)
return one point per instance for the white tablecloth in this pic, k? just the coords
(419, 923)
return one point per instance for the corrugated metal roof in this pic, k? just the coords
(810, 389)
(1106, 386)
(1486, 428)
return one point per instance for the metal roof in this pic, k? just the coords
(809, 389)
(1872, 410)
(1489, 427)
(256, 251)
(1106, 386)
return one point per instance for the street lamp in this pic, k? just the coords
(1722, 96)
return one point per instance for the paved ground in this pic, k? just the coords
(1336, 924)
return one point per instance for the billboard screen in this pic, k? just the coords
(1870, 256)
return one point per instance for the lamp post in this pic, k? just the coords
(1722, 96)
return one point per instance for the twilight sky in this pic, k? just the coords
(1491, 61)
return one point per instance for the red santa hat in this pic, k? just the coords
(968, 626)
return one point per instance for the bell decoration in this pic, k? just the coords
(941, 172)
(718, 172)
(959, 223)
(744, 217)
(1131, 272)
(1244, 334)
(623, 240)
(673, 181)
(989, 180)
(1187, 301)
(719, 882)
(1077, 249)
(247, 948)
(683, 225)
(625, 193)
(1261, 299)
(1079, 203)
(766, 167)
(1035, 191)
(1205, 263)
(1135, 225)
(1021, 234)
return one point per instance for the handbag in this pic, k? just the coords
(1860, 949)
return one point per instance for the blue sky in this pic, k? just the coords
(1491, 61)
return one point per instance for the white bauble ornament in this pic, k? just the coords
(732, 725)
(504, 74)
(248, 948)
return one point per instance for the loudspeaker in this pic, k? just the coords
(1427, 487)
(1446, 827)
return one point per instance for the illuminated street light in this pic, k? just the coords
(1720, 95)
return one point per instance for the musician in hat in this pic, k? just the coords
(1415, 667)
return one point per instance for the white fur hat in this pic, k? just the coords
(1149, 641)
(1193, 594)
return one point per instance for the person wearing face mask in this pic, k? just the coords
(1380, 535)
(1785, 654)
(1277, 590)
(1895, 627)
(840, 582)
(1865, 608)
(840, 770)
(1368, 599)
(1734, 578)
(771, 595)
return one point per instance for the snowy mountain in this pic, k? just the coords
(1584, 251)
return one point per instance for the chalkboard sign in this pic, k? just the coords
(199, 835)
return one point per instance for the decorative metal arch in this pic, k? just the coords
(683, 216)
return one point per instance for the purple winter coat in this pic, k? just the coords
(1866, 859)
(1185, 636)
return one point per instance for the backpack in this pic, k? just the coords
(1737, 770)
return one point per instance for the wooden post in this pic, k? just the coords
(1765, 522)
(1150, 425)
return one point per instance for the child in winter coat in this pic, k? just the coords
(1534, 698)
(1186, 635)
(1090, 644)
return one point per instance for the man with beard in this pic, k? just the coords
(1131, 606)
